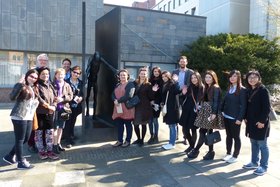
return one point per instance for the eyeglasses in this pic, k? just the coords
(76, 72)
(252, 78)
(32, 77)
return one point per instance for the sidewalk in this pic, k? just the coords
(98, 164)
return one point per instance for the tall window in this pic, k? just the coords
(169, 5)
(174, 4)
(193, 10)
(164, 7)
(179, 2)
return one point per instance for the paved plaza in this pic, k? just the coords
(93, 162)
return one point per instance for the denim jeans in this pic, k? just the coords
(172, 133)
(120, 124)
(153, 126)
(22, 131)
(258, 146)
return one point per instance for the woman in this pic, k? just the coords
(144, 110)
(257, 122)
(192, 98)
(169, 92)
(207, 115)
(121, 114)
(155, 79)
(25, 93)
(45, 115)
(233, 109)
(64, 96)
(76, 104)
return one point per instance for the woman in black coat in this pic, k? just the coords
(257, 122)
(233, 109)
(155, 79)
(170, 89)
(192, 98)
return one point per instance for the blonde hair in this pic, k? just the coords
(58, 70)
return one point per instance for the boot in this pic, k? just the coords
(151, 140)
(60, 148)
(209, 156)
(193, 154)
(56, 149)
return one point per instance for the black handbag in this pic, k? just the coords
(132, 102)
(212, 138)
(65, 113)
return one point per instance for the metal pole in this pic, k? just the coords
(83, 57)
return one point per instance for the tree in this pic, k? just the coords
(225, 52)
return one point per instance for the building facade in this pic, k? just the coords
(225, 16)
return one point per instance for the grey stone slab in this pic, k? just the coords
(46, 40)
(31, 6)
(6, 20)
(14, 40)
(31, 23)
(6, 7)
(22, 41)
(39, 7)
(39, 26)
(6, 39)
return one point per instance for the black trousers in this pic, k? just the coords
(68, 130)
(201, 140)
(233, 133)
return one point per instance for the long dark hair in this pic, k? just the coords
(239, 82)
(26, 93)
(200, 85)
(209, 89)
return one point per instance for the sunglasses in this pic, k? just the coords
(76, 72)
(31, 76)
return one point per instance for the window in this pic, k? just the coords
(193, 10)
(187, 12)
(169, 4)
(160, 8)
(179, 2)
(164, 7)
(174, 4)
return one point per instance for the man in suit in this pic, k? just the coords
(184, 75)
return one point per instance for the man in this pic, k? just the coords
(42, 61)
(184, 75)
(66, 64)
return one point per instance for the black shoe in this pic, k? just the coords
(10, 159)
(156, 139)
(209, 156)
(188, 149)
(193, 153)
(141, 143)
(151, 140)
(185, 142)
(60, 148)
(136, 141)
(56, 149)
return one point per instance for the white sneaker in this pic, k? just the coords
(232, 160)
(227, 157)
(168, 146)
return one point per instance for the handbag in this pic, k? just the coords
(212, 138)
(164, 108)
(65, 113)
(272, 115)
(132, 102)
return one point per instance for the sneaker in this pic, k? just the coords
(42, 155)
(69, 145)
(24, 165)
(231, 160)
(117, 144)
(227, 157)
(260, 171)
(10, 159)
(125, 144)
(250, 166)
(52, 155)
(168, 146)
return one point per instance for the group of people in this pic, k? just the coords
(194, 103)
(44, 110)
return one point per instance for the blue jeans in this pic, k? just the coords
(22, 131)
(120, 124)
(153, 126)
(258, 146)
(172, 133)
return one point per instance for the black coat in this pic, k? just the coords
(258, 108)
(157, 95)
(172, 115)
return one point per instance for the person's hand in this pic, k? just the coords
(116, 102)
(237, 122)
(51, 109)
(212, 117)
(80, 99)
(260, 125)
(175, 77)
(22, 79)
(155, 87)
(59, 99)
(184, 90)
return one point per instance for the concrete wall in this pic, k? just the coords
(48, 25)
